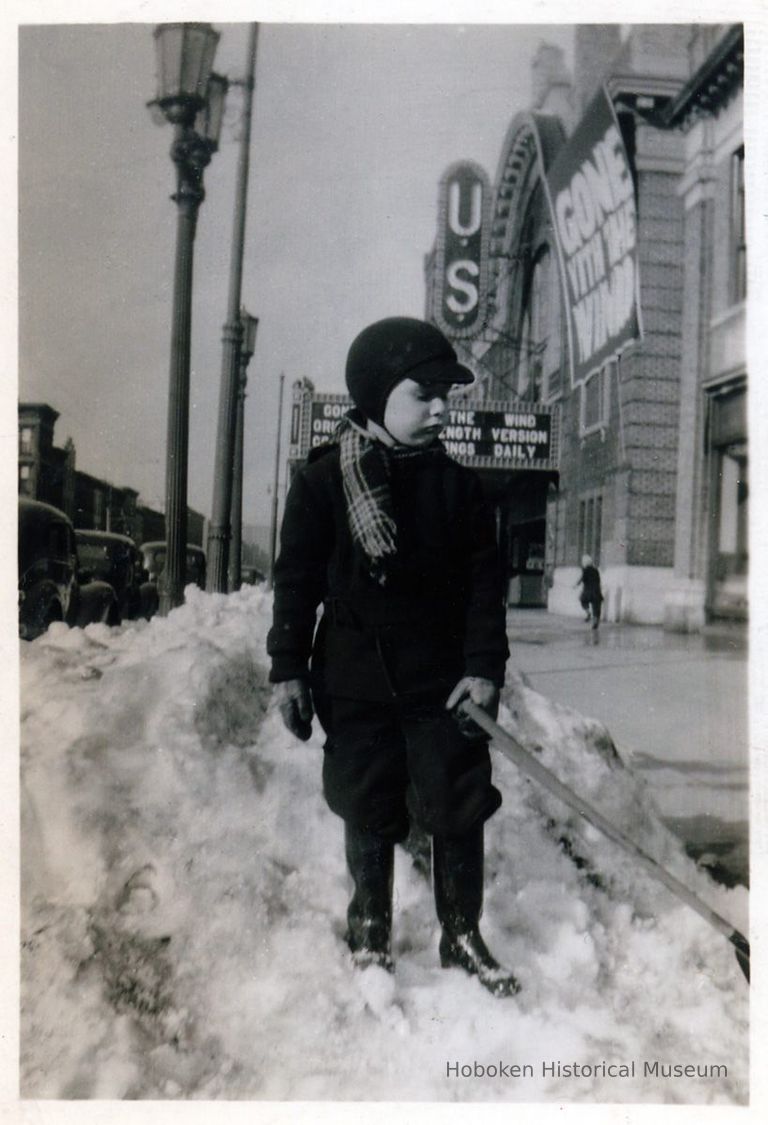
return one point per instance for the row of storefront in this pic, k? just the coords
(597, 288)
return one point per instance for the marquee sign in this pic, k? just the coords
(592, 201)
(493, 435)
(461, 281)
(516, 436)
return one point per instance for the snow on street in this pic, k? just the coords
(184, 891)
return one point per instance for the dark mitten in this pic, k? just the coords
(295, 704)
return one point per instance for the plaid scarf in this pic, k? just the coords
(366, 469)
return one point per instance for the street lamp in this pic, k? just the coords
(191, 98)
(247, 347)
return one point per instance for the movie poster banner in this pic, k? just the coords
(592, 200)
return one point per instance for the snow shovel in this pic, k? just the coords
(529, 765)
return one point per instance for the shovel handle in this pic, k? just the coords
(530, 766)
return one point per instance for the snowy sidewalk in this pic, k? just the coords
(184, 890)
(675, 704)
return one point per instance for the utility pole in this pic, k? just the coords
(220, 528)
(250, 324)
(236, 544)
(273, 527)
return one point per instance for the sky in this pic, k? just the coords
(353, 126)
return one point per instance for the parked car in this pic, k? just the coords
(251, 575)
(52, 584)
(154, 553)
(117, 560)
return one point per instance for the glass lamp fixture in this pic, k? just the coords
(211, 113)
(250, 324)
(184, 54)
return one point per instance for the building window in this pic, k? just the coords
(525, 358)
(738, 229)
(25, 439)
(591, 526)
(538, 373)
(595, 400)
(562, 533)
(552, 350)
(539, 327)
(734, 492)
(25, 480)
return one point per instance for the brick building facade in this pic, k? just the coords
(45, 471)
(710, 557)
(49, 473)
(649, 439)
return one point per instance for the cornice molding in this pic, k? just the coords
(712, 85)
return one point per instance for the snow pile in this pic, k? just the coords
(184, 894)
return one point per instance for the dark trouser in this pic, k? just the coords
(592, 605)
(384, 761)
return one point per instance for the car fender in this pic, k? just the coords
(39, 606)
(95, 602)
(150, 600)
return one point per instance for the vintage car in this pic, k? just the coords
(117, 560)
(251, 575)
(154, 560)
(52, 584)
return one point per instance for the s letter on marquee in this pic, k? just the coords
(461, 284)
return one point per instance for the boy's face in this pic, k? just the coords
(416, 412)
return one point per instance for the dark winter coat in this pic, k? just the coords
(441, 614)
(590, 584)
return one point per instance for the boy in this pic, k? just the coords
(395, 541)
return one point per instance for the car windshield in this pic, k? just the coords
(155, 560)
(195, 564)
(41, 538)
(93, 556)
(195, 567)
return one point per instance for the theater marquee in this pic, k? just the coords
(488, 435)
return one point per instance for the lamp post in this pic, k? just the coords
(247, 347)
(191, 98)
(220, 530)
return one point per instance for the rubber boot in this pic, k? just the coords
(370, 860)
(458, 881)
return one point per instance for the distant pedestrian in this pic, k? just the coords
(397, 542)
(591, 596)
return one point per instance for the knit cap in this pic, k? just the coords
(393, 349)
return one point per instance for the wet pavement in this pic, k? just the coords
(676, 708)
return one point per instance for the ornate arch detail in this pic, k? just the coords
(531, 139)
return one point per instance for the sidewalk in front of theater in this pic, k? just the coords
(676, 708)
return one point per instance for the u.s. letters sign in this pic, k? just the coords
(461, 278)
